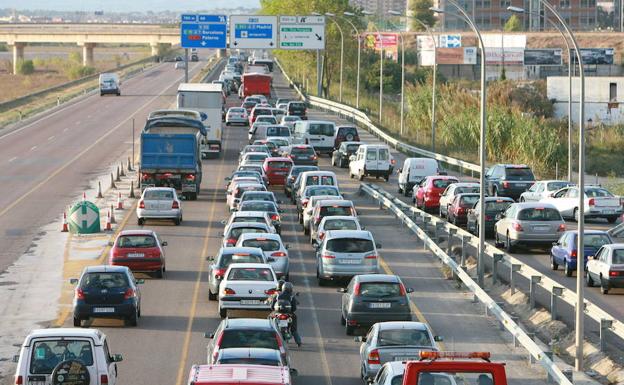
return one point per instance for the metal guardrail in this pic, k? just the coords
(393, 204)
(365, 121)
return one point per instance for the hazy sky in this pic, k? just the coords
(126, 5)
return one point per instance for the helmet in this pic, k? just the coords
(280, 284)
(287, 288)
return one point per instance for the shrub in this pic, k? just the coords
(75, 57)
(78, 71)
(25, 67)
(3, 47)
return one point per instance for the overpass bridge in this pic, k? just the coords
(18, 36)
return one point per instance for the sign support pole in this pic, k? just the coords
(319, 80)
(186, 61)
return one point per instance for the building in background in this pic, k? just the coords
(380, 7)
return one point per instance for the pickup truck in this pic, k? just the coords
(171, 160)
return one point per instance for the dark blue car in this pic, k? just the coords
(564, 251)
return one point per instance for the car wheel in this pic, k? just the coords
(399, 190)
(132, 320)
(496, 240)
(567, 270)
(300, 217)
(604, 286)
(342, 319)
(454, 221)
(159, 273)
(177, 221)
(406, 192)
(522, 200)
(387, 177)
(211, 296)
(553, 264)
(361, 176)
(495, 192)
(508, 246)
(576, 215)
(222, 313)
(141, 221)
(77, 322)
(588, 280)
(612, 219)
(350, 330)
(306, 230)
(321, 280)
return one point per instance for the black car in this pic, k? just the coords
(509, 180)
(302, 154)
(346, 134)
(297, 109)
(292, 177)
(340, 157)
(107, 292)
(493, 207)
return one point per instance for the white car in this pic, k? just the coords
(307, 211)
(289, 120)
(236, 190)
(180, 65)
(451, 191)
(159, 203)
(543, 189)
(246, 286)
(335, 222)
(250, 216)
(273, 248)
(606, 268)
(263, 99)
(599, 203)
(236, 115)
(254, 158)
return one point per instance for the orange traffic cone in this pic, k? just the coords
(84, 196)
(65, 226)
(119, 202)
(112, 215)
(109, 226)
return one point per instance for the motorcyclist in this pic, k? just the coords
(286, 294)
(273, 297)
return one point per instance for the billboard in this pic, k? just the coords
(462, 55)
(389, 42)
(543, 57)
(513, 56)
(594, 55)
(449, 41)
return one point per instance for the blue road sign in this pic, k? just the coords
(203, 31)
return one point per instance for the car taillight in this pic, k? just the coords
(80, 294)
(460, 210)
(278, 254)
(317, 220)
(561, 227)
(103, 379)
(371, 256)
(231, 241)
(488, 217)
(615, 273)
(356, 289)
(146, 176)
(321, 235)
(275, 217)
(19, 380)
(219, 273)
(314, 157)
(270, 291)
(506, 184)
(283, 316)
(573, 254)
(402, 290)
(329, 256)
(516, 226)
(130, 293)
(175, 205)
(141, 204)
(373, 357)
(592, 202)
(190, 177)
(393, 161)
(228, 291)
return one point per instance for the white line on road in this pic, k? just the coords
(12, 159)
(50, 138)
(78, 122)
(33, 148)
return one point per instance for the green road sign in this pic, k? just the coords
(84, 218)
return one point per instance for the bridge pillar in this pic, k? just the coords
(87, 54)
(154, 47)
(18, 55)
(221, 53)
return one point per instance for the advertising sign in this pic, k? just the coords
(449, 41)
(462, 55)
(542, 57)
(594, 55)
(389, 41)
(513, 56)
(302, 32)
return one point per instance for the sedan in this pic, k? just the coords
(159, 203)
(236, 115)
(292, 177)
(337, 222)
(606, 268)
(246, 286)
(234, 231)
(302, 154)
(140, 251)
(565, 252)
(274, 250)
(345, 253)
(394, 341)
(543, 189)
(458, 208)
(449, 194)
(224, 258)
(372, 298)
(599, 203)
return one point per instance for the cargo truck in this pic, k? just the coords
(256, 84)
(178, 125)
(209, 99)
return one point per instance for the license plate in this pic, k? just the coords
(136, 255)
(608, 211)
(541, 228)
(36, 382)
(406, 358)
(350, 261)
(282, 323)
(189, 188)
(250, 302)
(379, 305)
(103, 309)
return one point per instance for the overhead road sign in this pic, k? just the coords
(302, 32)
(255, 32)
(203, 31)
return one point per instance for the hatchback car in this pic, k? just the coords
(266, 206)
(327, 208)
(335, 222)
(529, 224)
(250, 216)
(276, 169)
(509, 180)
(107, 292)
(250, 356)
(372, 298)
(292, 177)
(159, 203)
(340, 157)
(289, 121)
(606, 268)
(234, 231)
(254, 157)
(274, 250)
(453, 189)
(139, 250)
(458, 209)
(282, 144)
(224, 258)
(493, 207)
(236, 115)
(297, 109)
(248, 105)
(302, 154)
(266, 119)
(394, 341)
(565, 251)
(246, 286)
(345, 253)
(310, 191)
(307, 211)
(255, 167)
(427, 194)
(345, 134)
(236, 191)
(543, 189)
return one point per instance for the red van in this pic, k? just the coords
(277, 169)
(427, 193)
(239, 375)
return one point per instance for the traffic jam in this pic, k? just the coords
(280, 179)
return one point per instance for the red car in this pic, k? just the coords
(427, 194)
(258, 110)
(140, 251)
(458, 209)
(277, 169)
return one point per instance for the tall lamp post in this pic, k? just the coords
(359, 42)
(380, 65)
(396, 13)
(331, 17)
(463, 15)
(567, 44)
(433, 85)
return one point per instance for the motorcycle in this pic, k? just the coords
(282, 317)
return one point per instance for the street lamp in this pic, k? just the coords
(380, 65)
(396, 13)
(331, 17)
(565, 39)
(467, 19)
(357, 33)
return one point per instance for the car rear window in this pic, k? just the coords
(158, 195)
(468, 201)
(249, 339)
(250, 274)
(237, 110)
(340, 224)
(46, 355)
(278, 131)
(519, 173)
(597, 192)
(323, 180)
(618, 257)
(262, 111)
(352, 147)
(539, 214)
(263, 243)
(497, 206)
(105, 280)
(269, 119)
(302, 151)
(228, 259)
(276, 164)
(258, 197)
(249, 104)
(595, 240)
(402, 337)
(347, 130)
(296, 170)
(443, 183)
(467, 190)
(380, 289)
(552, 186)
(265, 361)
(398, 380)
(384, 154)
(257, 157)
(236, 232)
(335, 210)
(350, 245)
(258, 206)
(322, 190)
(296, 106)
(132, 241)
(250, 219)
(321, 129)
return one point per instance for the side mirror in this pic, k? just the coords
(140, 281)
(223, 221)
(555, 243)
(111, 243)
(409, 290)
(351, 158)
(294, 372)
(208, 335)
(500, 216)
(287, 246)
(117, 358)
(210, 258)
(341, 290)
(362, 227)
(270, 259)
(73, 281)
(16, 358)
(400, 170)
(378, 245)
(438, 338)
(164, 243)
(227, 179)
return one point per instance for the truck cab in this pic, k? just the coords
(454, 368)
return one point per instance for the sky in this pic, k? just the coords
(126, 5)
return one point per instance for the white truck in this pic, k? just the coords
(208, 99)
(110, 84)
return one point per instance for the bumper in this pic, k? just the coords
(615, 282)
(305, 162)
(531, 240)
(368, 319)
(603, 213)
(378, 172)
(83, 310)
(158, 214)
(236, 121)
(236, 304)
(371, 370)
(142, 265)
(277, 180)
(513, 193)
(109, 91)
(345, 271)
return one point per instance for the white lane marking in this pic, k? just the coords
(12, 159)
(65, 129)
(33, 148)
(78, 122)
(89, 116)
(50, 138)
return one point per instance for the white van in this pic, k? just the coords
(46, 352)
(371, 160)
(320, 134)
(110, 84)
(413, 171)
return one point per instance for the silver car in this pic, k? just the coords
(531, 224)
(336, 222)
(391, 373)
(159, 203)
(234, 231)
(250, 216)
(393, 341)
(274, 250)
(223, 259)
(236, 115)
(345, 253)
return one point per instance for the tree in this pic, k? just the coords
(420, 11)
(513, 24)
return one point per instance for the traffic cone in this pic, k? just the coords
(132, 189)
(118, 177)
(65, 226)
(112, 214)
(100, 190)
(113, 181)
(84, 196)
(129, 165)
(119, 202)
(122, 172)
(109, 226)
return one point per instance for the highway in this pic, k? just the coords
(176, 311)
(45, 164)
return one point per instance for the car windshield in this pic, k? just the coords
(443, 183)
(335, 210)
(618, 257)
(227, 259)
(497, 205)
(277, 131)
(257, 157)
(279, 164)
(351, 148)
(403, 337)
(136, 241)
(325, 129)
(46, 355)
(554, 186)
(380, 289)
(322, 190)
(249, 338)
(302, 151)
(250, 274)
(468, 201)
(265, 361)
(519, 173)
(258, 206)
(540, 214)
(296, 170)
(263, 243)
(597, 193)
(467, 189)
(242, 189)
(237, 110)
(158, 195)
(350, 245)
(340, 224)
(105, 281)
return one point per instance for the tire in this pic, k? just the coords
(222, 313)
(341, 163)
(589, 282)
(350, 137)
(497, 242)
(495, 192)
(77, 322)
(300, 217)
(387, 177)
(575, 215)
(604, 286)
(321, 281)
(306, 230)
(211, 296)
(361, 176)
(567, 270)
(350, 330)
(141, 221)
(522, 200)
(343, 322)
(406, 192)
(132, 320)
(159, 273)
(553, 264)
(508, 246)
(612, 219)
(227, 123)
(177, 221)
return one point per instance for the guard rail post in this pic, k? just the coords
(535, 279)
(437, 236)
(465, 241)
(549, 354)
(496, 258)
(556, 292)
(449, 242)
(512, 283)
(605, 325)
